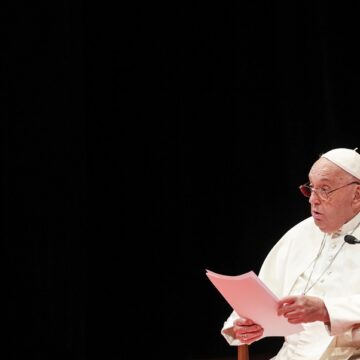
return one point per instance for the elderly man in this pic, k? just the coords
(314, 272)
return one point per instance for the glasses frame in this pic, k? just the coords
(321, 193)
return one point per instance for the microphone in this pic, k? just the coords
(351, 239)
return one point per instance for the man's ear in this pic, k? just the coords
(357, 196)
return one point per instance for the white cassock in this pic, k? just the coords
(335, 278)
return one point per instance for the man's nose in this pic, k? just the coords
(314, 198)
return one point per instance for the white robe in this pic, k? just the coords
(286, 270)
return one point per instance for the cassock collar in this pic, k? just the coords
(348, 227)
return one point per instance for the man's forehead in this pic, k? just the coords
(325, 170)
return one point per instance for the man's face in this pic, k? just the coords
(329, 215)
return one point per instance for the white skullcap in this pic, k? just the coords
(347, 159)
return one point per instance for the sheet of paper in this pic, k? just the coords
(252, 299)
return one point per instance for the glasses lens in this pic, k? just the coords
(305, 190)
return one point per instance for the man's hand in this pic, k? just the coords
(303, 309)
(247, 331)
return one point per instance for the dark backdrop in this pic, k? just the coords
(147, 143)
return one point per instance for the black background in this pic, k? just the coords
(146, 143)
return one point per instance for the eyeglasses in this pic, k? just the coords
(323, 194)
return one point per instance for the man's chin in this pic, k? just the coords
(320, 224)
(325, 229)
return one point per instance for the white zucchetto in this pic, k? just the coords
(347, 159)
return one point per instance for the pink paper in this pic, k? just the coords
(252, 299)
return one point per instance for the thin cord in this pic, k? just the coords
(314, 262)
(307, 289)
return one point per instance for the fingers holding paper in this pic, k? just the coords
(303, 309)
(247, 331)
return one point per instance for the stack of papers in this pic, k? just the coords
(252, 299)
